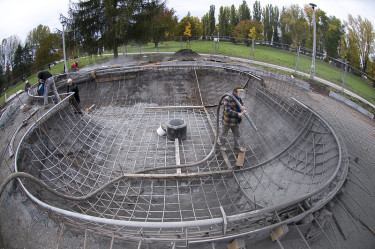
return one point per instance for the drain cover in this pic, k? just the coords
(176, 128)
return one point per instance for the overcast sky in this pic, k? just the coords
(18, 17)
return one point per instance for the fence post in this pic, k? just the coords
(181, 41)
(297, 59)
(252, 49)
(344, 79)
(213, 45)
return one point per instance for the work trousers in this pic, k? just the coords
(236, 135)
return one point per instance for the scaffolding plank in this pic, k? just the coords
(241, 158)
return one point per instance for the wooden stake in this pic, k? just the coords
(177, 149)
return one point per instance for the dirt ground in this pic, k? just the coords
(351, 223)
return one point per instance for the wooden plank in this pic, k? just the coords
(175, 107)
(226, 159)
(177, 150)
(241, 158)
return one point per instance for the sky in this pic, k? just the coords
(19, 17)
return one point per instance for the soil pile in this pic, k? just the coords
(185, 55)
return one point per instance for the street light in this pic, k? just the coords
(312, 71)
(63, 23)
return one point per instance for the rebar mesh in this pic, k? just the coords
(293, 165)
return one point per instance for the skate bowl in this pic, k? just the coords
(110, 171)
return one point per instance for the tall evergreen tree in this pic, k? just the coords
(257, 11)
(267, 22)
(233, 19)
(206, 25)
(2, 80)
(276, 23)
(224, 15)
(244, 11)
(22, 61)
(212, 19)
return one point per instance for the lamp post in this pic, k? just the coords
(63, 22)
(312, 71)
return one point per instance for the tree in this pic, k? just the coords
(111, 23)
(360, 38)
(242, 30)
(196, 26)
(233, 19)
(8, 48)
(257, 11)
(22, 61)
(2, 80)
(332, 36)
(244, 11)
(224, 15)
(212, 20)
(33, 37)
(206, 25)
(167, 21)
(267, 22)
(48, 51)
(294, 26)
(86, 23)
(153, 22)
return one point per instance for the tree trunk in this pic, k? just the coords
(115, 52)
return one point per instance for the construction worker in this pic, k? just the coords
(75, 66)
(27, 86)
(76, 100)
(232, 119)
(46, 78)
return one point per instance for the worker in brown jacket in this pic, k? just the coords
(232, 119)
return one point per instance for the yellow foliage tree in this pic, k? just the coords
(187, 32)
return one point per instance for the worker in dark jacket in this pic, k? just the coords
(75, 101)
(232, 119)
(46, 78)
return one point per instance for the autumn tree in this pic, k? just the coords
(48, 51)
(196, 26)
(34, 36)
(293, 24)
(360, 38)
(332, 36)
(242, 30)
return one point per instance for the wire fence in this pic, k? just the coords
(297, 58)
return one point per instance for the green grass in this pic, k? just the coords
(261, 53)
(56, 69)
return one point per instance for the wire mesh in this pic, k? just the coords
(294, 157)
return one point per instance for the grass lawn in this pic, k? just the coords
(56, 69)
(261, 53)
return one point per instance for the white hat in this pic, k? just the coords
(69, 80)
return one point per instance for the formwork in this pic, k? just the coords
(110, 172)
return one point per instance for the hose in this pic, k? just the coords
(84, 197)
